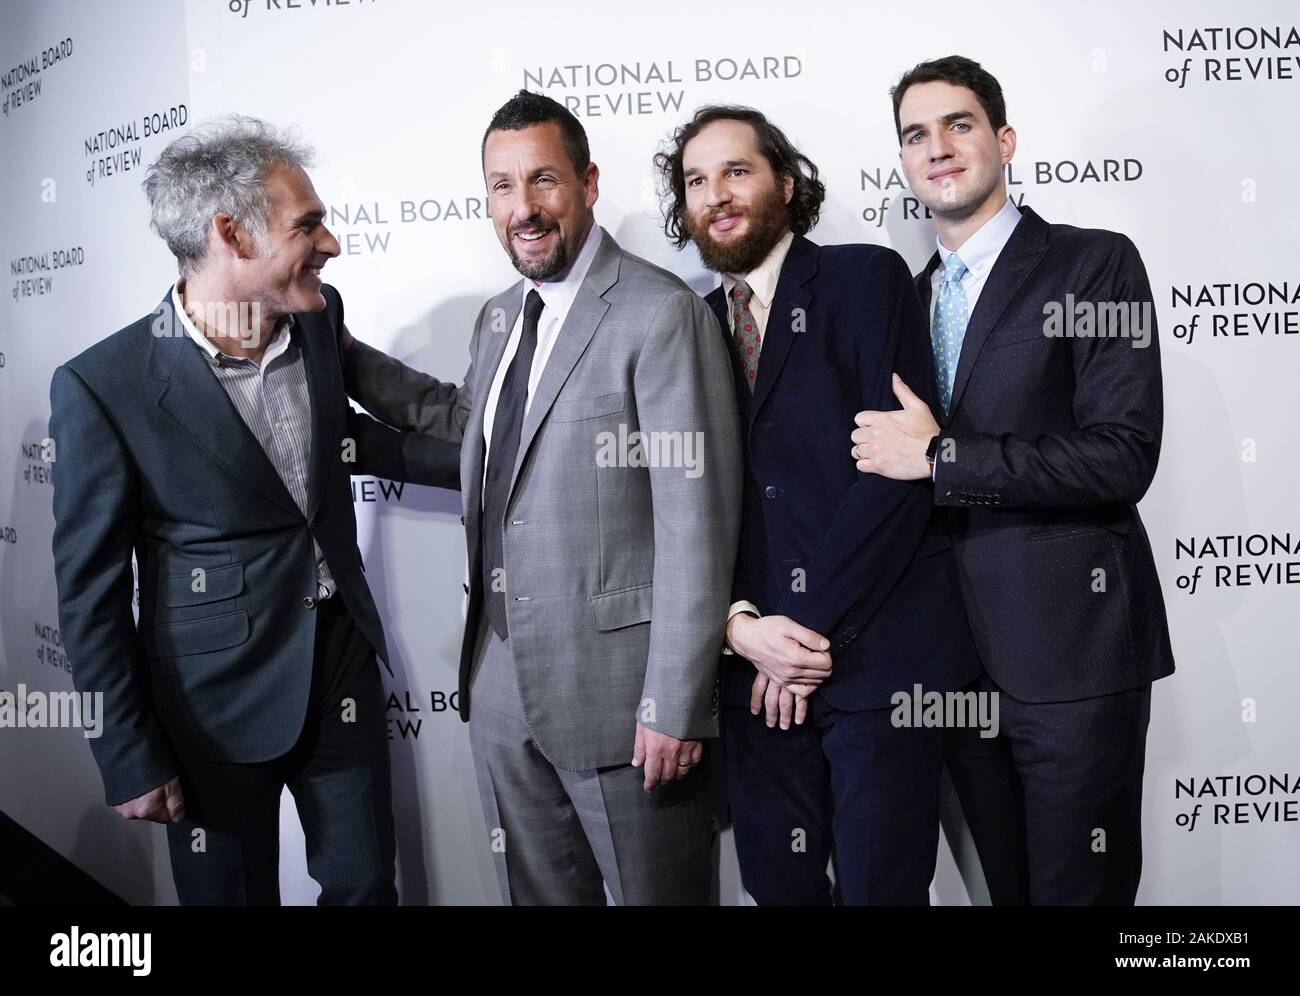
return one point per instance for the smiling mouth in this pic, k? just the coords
(945, 174)
(725, 222)
(533, 236)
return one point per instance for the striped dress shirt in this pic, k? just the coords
(273, 400)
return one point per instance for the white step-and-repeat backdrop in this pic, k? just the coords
(1175, 123)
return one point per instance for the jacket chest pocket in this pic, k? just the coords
(579, 409)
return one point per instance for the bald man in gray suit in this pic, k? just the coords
(601, 477)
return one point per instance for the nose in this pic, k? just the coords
(329, 246)
(939, 146)
(524, 208)
(717, 192)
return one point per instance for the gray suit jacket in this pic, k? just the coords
(618, 577)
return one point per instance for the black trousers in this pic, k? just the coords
(1054, 802)
(226, 851)
(845, 783)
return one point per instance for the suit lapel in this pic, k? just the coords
(193, 398)
(316, 359)
(579, 326)
(717, 300)
(789, 304)
(491, 345)
(923, 291)
(1023, 251)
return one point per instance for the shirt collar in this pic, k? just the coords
(558, 295)
(277, 345)
(981, 250)
(763, 278)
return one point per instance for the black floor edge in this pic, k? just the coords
(34, 874)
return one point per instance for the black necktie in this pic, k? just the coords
(506, 427)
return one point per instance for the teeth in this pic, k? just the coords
(533, 237)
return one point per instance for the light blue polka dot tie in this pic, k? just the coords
(949, 327)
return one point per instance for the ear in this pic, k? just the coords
(1007, 143)
(787, 183)
(591, 181)
(231, 236)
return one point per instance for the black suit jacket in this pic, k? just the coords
(854, 557)
(153, 459)
(1053, 440)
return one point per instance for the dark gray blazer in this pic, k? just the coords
(152, 458)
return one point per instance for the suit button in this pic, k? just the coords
(309, 602)
(769, 491)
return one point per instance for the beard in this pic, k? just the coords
(769, 220)
(543, 269)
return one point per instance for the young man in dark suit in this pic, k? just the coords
(845, 596)
(213, 440)
(1048, 372)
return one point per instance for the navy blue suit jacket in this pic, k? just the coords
(1054, 441)
(854, 557)
(152, 458)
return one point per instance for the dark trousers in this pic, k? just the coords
(844, 783)
(226, 851)
(1054, 802)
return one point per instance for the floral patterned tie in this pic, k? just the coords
(749, 341)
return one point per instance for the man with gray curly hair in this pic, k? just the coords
(212, 440)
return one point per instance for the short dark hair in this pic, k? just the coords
(959, 71)
(779, 151)
(526, 108)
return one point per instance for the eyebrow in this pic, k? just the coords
(728, 164)
(318, 215)
(500, 174)
(948, 118)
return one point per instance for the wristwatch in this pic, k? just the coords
(932, 451)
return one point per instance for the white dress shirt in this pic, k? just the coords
(558, 297)
(762, 281)
(979, 253)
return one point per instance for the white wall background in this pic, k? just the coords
(395, 94)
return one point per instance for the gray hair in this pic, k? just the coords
(218, 168)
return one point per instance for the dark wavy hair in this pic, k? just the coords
(779, 151)
(958, 71)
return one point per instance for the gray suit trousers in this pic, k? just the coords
(557, 835)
